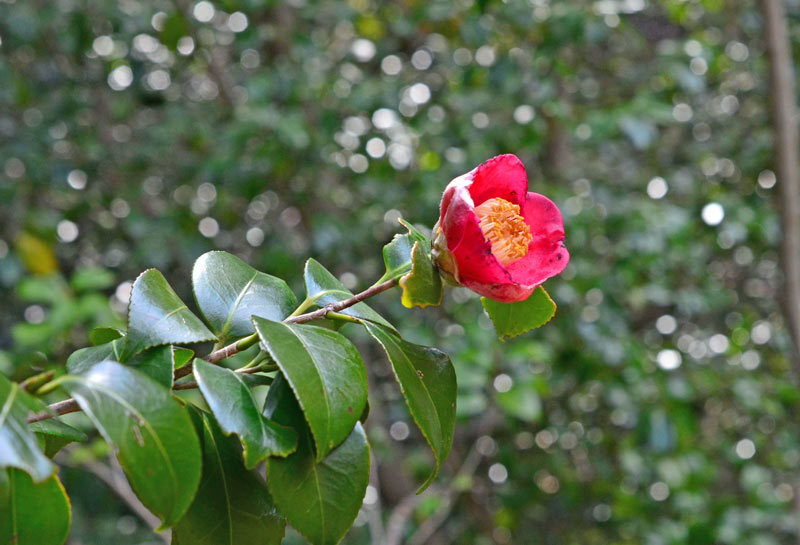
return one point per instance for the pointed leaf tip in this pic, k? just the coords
(228, 292)
(261, 437)
(427, 381)
(326, 374)
(157, 316)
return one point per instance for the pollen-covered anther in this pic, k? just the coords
(503, 226)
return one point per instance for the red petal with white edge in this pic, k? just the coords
(503, 177)
(547, 255)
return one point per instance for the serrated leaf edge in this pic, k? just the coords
(504, 338)
(128, 316)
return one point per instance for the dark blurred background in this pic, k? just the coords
(660, 404)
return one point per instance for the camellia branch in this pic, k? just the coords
(70, 405)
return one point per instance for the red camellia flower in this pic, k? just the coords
(494, 236)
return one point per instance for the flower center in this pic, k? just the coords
(504, 227)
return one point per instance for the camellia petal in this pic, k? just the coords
(547, 256)
(461, 246)
(475, 259)
(505, 293)
(459, 211)
(502, 176)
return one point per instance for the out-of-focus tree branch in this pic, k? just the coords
(787, 165)
(787, 161)
(405, 509)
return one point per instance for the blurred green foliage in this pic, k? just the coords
(657, 407)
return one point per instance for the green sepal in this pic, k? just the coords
(397, 254)
(422, 286)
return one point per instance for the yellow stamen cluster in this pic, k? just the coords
(504, 227)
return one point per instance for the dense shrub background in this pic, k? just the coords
(658, 407)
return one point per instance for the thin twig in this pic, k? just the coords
(319, 314)
(405, 508)
(58, 408)
(70, 405)
(377, 532)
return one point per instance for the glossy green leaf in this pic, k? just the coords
(158, 362)
(103, 335)
(232, 505)
(32, 513)
(422, 287)
(181, 356)
(323, 288)
(84, 359)
(53, 435)
(18, 445)
(320, 498)
(512, 319)
(230, 399)
(157, 316)
(326, 374)
(397, 254)
(229, 291)
(428, 382)
(152, 433)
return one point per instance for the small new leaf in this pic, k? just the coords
(54, 435)
(103, 335)
(158, 362)
(512, 319)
